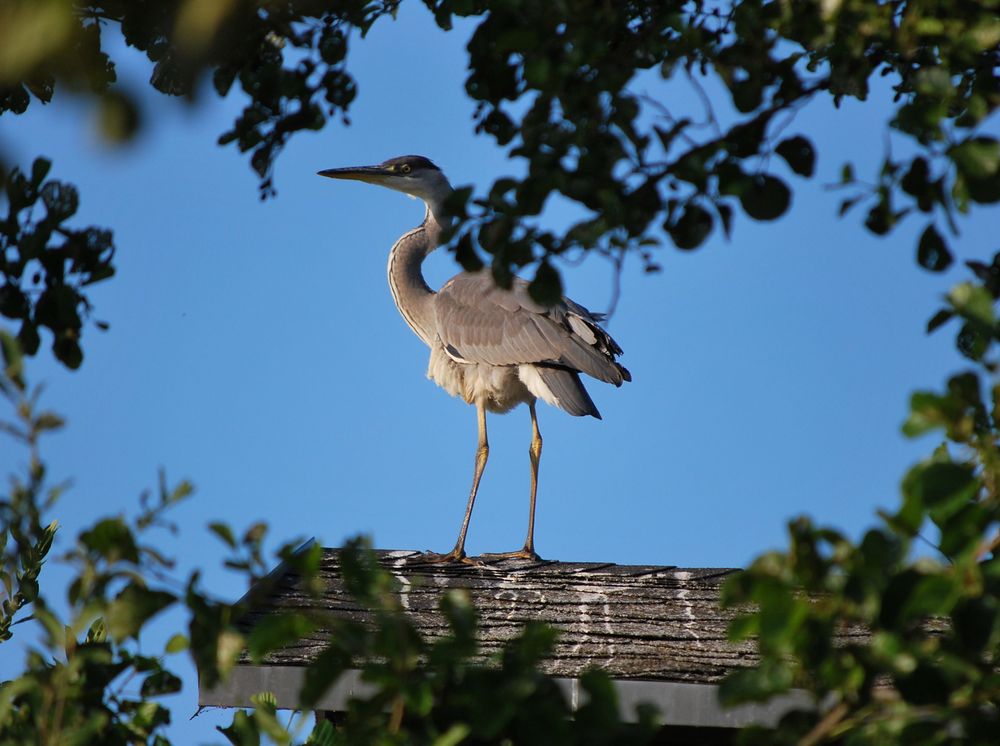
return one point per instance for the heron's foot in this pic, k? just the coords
(455, 555)
(525, 553)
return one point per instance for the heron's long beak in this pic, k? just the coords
(369, 174)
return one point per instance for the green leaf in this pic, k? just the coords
(255, 534)
(767, 199)
(118, 117)
(149, 716)
(973, 302)
(914, 595)
(13, 360)
(224, 532)
(798, 152)
(977, 157)
(322, 673)
(757, 684)
(276, 631)
(451, 737)
(323, 734)
(228, 645)
(112, 540)
(984, 191)
(132, 608)
(176, 644)
(977, 624)
(98, 631)
(460, 612)
(943, 487)
(242, 731)
(48, 421)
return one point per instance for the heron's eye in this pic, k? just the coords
(405, 168)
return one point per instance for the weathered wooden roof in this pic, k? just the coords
(657, 630)
(634, 622)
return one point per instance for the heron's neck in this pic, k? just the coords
(413, 297)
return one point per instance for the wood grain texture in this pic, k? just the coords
(634, 622)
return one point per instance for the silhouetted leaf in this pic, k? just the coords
(467, 255)
(60, 199)
(798, 152)
(39, 170)
(938, 319)
(767, 199)
(692, 227)
(932, 251)
(160, 683)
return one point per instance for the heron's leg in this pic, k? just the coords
(535, 454)
(482, 454)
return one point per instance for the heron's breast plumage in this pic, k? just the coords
(499, 386)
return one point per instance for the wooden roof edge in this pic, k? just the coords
(678, 703)
(397, 560)
(269, 582)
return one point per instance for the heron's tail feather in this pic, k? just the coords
(567, 391)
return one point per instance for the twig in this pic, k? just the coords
(396, 719)
(824, 726)
(988, 547)
(710, 118)
(616, 284)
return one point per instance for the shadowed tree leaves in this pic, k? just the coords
(46, 265)
(556, 85)
(928, 624)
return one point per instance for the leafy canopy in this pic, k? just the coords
(554, 85)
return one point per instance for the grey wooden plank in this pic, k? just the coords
(678, 703)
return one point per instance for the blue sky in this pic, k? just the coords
(254, 347)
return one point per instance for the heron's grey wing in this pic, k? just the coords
(479, 322)
(568, 390)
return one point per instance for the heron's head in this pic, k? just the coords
(411, 174)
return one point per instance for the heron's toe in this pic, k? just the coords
(434, 558)
(525, 553)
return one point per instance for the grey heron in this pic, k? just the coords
(495, 348)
